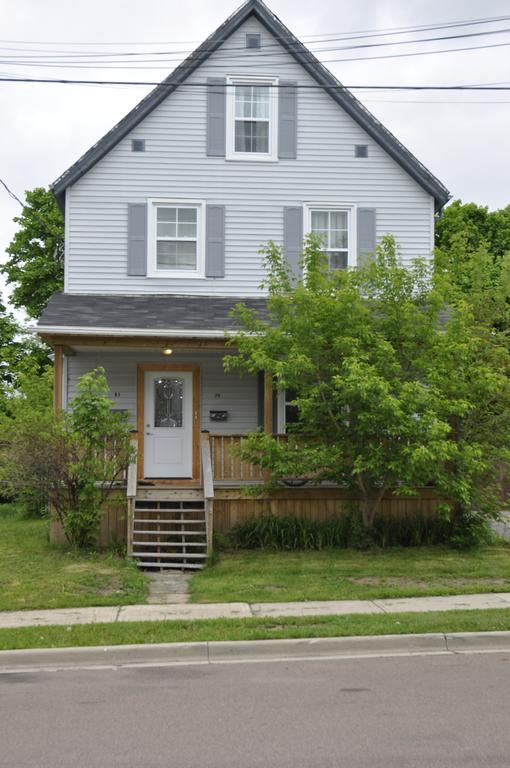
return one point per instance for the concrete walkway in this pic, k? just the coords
(189, 612)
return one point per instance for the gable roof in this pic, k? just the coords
(303, 56)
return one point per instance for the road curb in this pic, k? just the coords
(170, 654)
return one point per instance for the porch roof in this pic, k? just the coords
(151, 314)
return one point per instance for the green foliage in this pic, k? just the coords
(476, 225)
(473, 253)
(36, 254)
(345, 531)
(71, 460)
(400, 382)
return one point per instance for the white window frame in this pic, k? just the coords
(152, 263)
(281, 411)
(252, 157)
(350, 209)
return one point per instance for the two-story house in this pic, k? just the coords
(250, 139)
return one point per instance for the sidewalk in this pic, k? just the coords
(190, 612)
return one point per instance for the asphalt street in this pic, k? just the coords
(409, 712)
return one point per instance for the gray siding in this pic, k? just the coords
(219, 391)
(175, 165)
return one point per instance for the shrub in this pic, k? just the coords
(344, 531)
(72, 460)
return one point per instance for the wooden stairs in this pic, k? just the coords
(169, 529)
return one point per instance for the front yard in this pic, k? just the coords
(36, 574)
(261, 576)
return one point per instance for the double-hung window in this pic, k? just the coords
(175, 239)
(251, 119)
(334, 226)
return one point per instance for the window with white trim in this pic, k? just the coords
(334, 225)
(287, 411)
(175, 239)
(251, 119)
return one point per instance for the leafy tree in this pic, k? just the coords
(20, 354)
(71, 460)
(36, 254)
(473, 251)
(393, 392)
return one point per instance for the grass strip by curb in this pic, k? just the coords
(125, 633)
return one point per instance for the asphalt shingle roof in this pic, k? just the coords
(152, 312)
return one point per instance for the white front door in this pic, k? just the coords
(168, 424)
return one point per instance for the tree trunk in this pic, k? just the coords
(370, 505)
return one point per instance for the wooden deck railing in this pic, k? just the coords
(208, 486)
(227, 466)
(131, 484)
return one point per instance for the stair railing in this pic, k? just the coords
(208, 484)
(131, 483)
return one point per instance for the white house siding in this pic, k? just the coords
(218, 390)
(175, 165)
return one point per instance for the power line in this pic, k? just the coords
(338, 87)
(357, 34)
(161, 64)
(58, 60)
(11, 193)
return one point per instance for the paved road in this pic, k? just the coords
(410, 712)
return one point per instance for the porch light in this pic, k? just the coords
(167, 350)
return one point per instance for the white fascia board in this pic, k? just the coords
(93, 331)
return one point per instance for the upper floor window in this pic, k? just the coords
(334, 225)
(175, 239)
(251, 119)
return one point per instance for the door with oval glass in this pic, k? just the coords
(168, 424)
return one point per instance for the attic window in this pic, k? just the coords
(252, 40)
(361, 150)
(137, 145)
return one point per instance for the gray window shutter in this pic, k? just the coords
(137, 239)
(366, 235)
(287, 120)
(215, 241)
(293, 236)
(216, 116)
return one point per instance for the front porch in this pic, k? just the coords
(188, 416)
(167, 520)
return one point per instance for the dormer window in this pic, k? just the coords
(251, 119)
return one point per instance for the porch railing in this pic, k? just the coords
(131, 485)
(227, 466)
(208, 485)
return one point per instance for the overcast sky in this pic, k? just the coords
(463, 138)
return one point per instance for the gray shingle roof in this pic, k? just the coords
(308, 61)
(157, 312)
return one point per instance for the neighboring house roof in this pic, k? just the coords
(161, 314)
(307, 60)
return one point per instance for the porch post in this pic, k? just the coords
(268, 402)
(57, 377)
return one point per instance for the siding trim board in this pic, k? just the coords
(310, 64)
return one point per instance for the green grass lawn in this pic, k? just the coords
(36, 574)
(254, 629)
(260, 576)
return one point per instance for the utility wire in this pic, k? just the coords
(58, 60)
(11, 193)
(353, 34)
(161, 64)
(185, 84)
